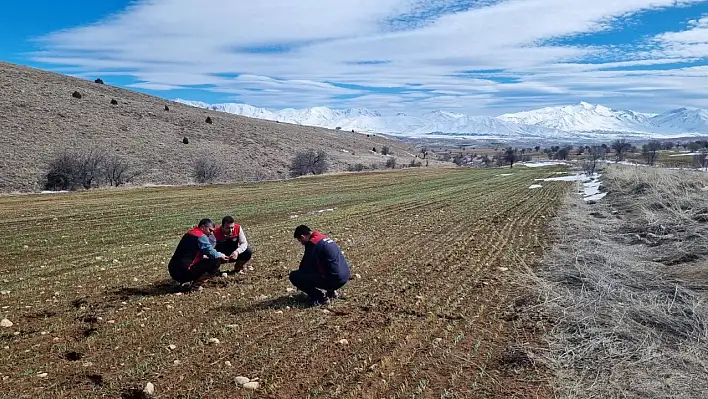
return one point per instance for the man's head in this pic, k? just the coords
(206, 226)
(302, 234)
(228, 225)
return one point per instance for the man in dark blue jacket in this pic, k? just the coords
(323, 266)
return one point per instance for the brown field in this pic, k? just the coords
(430, 314)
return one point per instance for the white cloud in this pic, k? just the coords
(289, 51)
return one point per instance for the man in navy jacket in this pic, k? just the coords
(323, 266)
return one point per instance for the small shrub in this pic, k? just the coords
(114, 102)
(415, 164)
(71, 170)
(76, 94)
(167, 108)
(208, 120)
(391, 163)
(386, 151)
(356, 168)
(99, 81)
(310, 161)
(206, 170)
(185, 140)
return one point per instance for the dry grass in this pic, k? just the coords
(39, 117)
(625, 288)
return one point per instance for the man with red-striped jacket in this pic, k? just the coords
(195, 257)
(323, 267)
(231, 240)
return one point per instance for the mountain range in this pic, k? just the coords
(578, 122)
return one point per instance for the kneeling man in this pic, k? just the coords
(195, 258)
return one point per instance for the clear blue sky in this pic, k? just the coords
(476, 57)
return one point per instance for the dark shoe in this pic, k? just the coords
(312, 302)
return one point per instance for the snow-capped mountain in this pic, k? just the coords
(693, 120)
(582, 117)
(571, 122)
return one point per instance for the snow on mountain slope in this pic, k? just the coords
(693, 120)
(570, 122)
(583, 117)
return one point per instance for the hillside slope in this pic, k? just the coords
(39, 117)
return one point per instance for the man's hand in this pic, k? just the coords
(224, 258)
(234, 255)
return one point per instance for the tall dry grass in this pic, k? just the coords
(625, 286)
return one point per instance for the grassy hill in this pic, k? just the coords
(39, 117)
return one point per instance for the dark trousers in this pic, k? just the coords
(312, 283)
(199, 269)
(228, 247)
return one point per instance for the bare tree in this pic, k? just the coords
(391, 163)
(310, 161)
(70, 170)
(386, 150)
(701, 159)
(650, 151)
(510, 156)
(117, 171)
(594, 154)
(620, 146)
(424, 151)
(206, 170)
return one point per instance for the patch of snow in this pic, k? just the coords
(506, 174)
(685, 154)
(580, 177)
(540, 164)
(54, 192)
(535, 186)
(323, 210)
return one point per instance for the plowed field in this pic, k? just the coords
(434, 256)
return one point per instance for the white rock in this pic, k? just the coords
(437, 341)
(99, 258)
(251, 385)
(503, 269)
(290, 289)
(5, 323)
(214, 341)
(227, 363)
(135, 279)
(172, 347)
(224, 274)
(111, 322)
(232, 326)
(344, 342)
(176, 362)
(44, 333)
(357, 275)
(25, 247)
(149, 388)
(6, 347)
(42, 375)
(278, 312)
(170, 307)
(250, 268)
(116, 261)
(4, 292)
(242, 380)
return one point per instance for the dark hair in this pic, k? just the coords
(205, 222)
(301, 230)
(228, 219)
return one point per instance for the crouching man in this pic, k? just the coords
(195, 258)
(323, 267)
(231, 240)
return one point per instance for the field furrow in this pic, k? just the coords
(433, 255)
